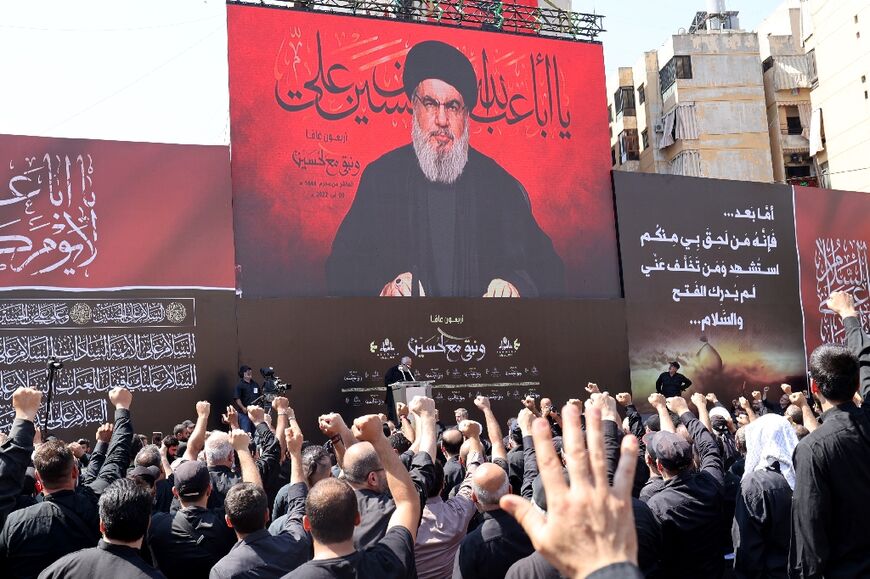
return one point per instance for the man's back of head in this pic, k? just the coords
(489, 484)
(451, 442)
(362, 467)
(835, 371)
(149, 456)
(247, 508)
(331, 512)
(218, 450)
(125, 511)
(55, 463)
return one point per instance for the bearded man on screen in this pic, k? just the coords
(436, 217)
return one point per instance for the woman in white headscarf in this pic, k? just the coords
(762, 517)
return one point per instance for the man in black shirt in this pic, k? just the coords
(67, 519)
(830, 519)
(454, 472)
(187, 544)
(246, 392)
(125, 510)
(259, 553)
(672, 383)
(399, 373)
(688, 505)
(331, 514)
(16, 451)
(499, 541)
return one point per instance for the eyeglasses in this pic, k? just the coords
(451, 108)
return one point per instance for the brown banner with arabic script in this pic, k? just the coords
(335, 352)
(833, 235)
(711, 281)
(328, 196)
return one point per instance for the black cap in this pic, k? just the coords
(191, 479)
(672, 450)
(150, 473)
(438, 60)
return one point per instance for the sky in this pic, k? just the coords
(635, 26)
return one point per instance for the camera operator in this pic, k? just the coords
(247, 392)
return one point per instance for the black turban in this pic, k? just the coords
(435, 59)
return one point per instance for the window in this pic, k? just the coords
(644, 139)
(793, 121)
(811, 63)
(679, 67)
(613, 155)
(609, 114)
(824, 176)
(623, 100)
(628, 146)
(641, 94)
(797, 171)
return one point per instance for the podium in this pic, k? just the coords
(405, 391)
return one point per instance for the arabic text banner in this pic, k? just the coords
(711, 280)
(88, 214)
(340, 350)
(833, 236)
(315, 99)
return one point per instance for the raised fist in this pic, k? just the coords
(525, 419)
(104, 432)
(677, 405)
(331, 424)
(401, 409)
(756, 395)
(843, 304)
(280, 403)
(368, 428)
(26, 403)
(711, 398)
(624, 398)
(470, 428)
(421, 405)
(293, 438)
(592, 387)
(203, 409)
(699, 400)
(256, 413)
(77, 449)
(482, 402)
(798, 399)
(231, 418)
(121, 398)
(744, 403)
(240, 440)
(656, 400)
(786, 388)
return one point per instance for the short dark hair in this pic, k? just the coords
(125, 510)
(399, 442)
(84, 442)
(54, 462)
(675, 364)
(136, 445)
(331, 509)
(246, 505)
(835, 369)
(438, 482)
(170, 440)
(178, 429)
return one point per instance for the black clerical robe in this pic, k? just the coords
(387, 232)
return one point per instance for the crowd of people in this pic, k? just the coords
(596, 490)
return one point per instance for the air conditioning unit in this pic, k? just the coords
(659, 128)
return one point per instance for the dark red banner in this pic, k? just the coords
(334, 196)
(832, 237)
(87, 214)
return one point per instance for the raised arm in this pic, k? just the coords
(241, 441)
(270, 450)
(333, 426)
(610, 429)
(746, 405)
(293, 441)
(407, 514)
(530, 458)
(856, 339)
(405, 423)
(700, 402)
(635, 420)
(809, 418)
(493, 428)
(15, 452)
(659, 404)
(196, 442)
(705, 442)
(282, 406)
(118, 455)
(98, 457)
